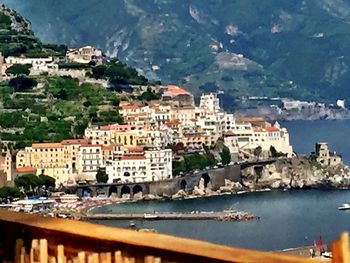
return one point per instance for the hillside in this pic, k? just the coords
(272, 47)
(17, 38)
(39, 108)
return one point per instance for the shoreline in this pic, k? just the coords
(87, 211)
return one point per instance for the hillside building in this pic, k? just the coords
(85, 55)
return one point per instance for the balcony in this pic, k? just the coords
(60, 240)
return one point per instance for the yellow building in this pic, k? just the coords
(126, 138)
(52, 159)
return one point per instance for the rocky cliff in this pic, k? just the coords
(296, 173)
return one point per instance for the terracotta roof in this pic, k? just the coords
(135, 149)
(272, 129)
(26, 169)
(130, 107)
(176, 90)
(74, 141)
(133, 157)
(46, 145)
(107, 148)
(173, 122)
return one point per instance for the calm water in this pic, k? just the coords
(288, 219)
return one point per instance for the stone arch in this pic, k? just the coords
(137, 189)
(183, 184)
(125, 190)
(206, 179)
(112, 190)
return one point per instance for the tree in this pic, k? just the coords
(98, 72)
(18, 69)
(28, 181)
(148, 95)
(101, 175)
(22, 83)
(47, 181)
(179, 167)
(6, 192)
(225, 156)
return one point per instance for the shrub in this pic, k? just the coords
(22, 83)
(18, 69)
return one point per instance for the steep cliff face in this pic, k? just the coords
(15, 21)
(298, 172)
(268, 48)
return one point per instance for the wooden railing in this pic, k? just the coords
(29, 238)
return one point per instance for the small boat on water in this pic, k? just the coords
(344, 207)
(150, 216)
(132, 224)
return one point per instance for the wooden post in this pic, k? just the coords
(118, 257)
(340, 249)
(60, 254)
(81, 257)
(23, 255)
(18, 247)
(44, 257)
(149, 259)
(95, 258)
(34, 257)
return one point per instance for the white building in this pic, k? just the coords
(210, 101)
(141, 166)
(90, 159)
(38, 65)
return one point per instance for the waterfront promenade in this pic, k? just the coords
(224, 216)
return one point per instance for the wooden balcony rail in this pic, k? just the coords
(26, 238)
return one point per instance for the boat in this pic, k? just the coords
(344, 207)
(132, 224)
(149, 216)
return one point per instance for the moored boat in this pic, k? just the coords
(344, 207)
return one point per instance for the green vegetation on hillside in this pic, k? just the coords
(193, 162)
(21, 40)
(61, 109)
(118, 73)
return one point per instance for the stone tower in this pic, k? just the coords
(322, 150)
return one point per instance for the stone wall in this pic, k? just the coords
(212, 179)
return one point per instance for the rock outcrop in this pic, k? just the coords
(297, 173)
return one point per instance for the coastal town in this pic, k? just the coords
(155, 142)
(107, 140)
(150, 138)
